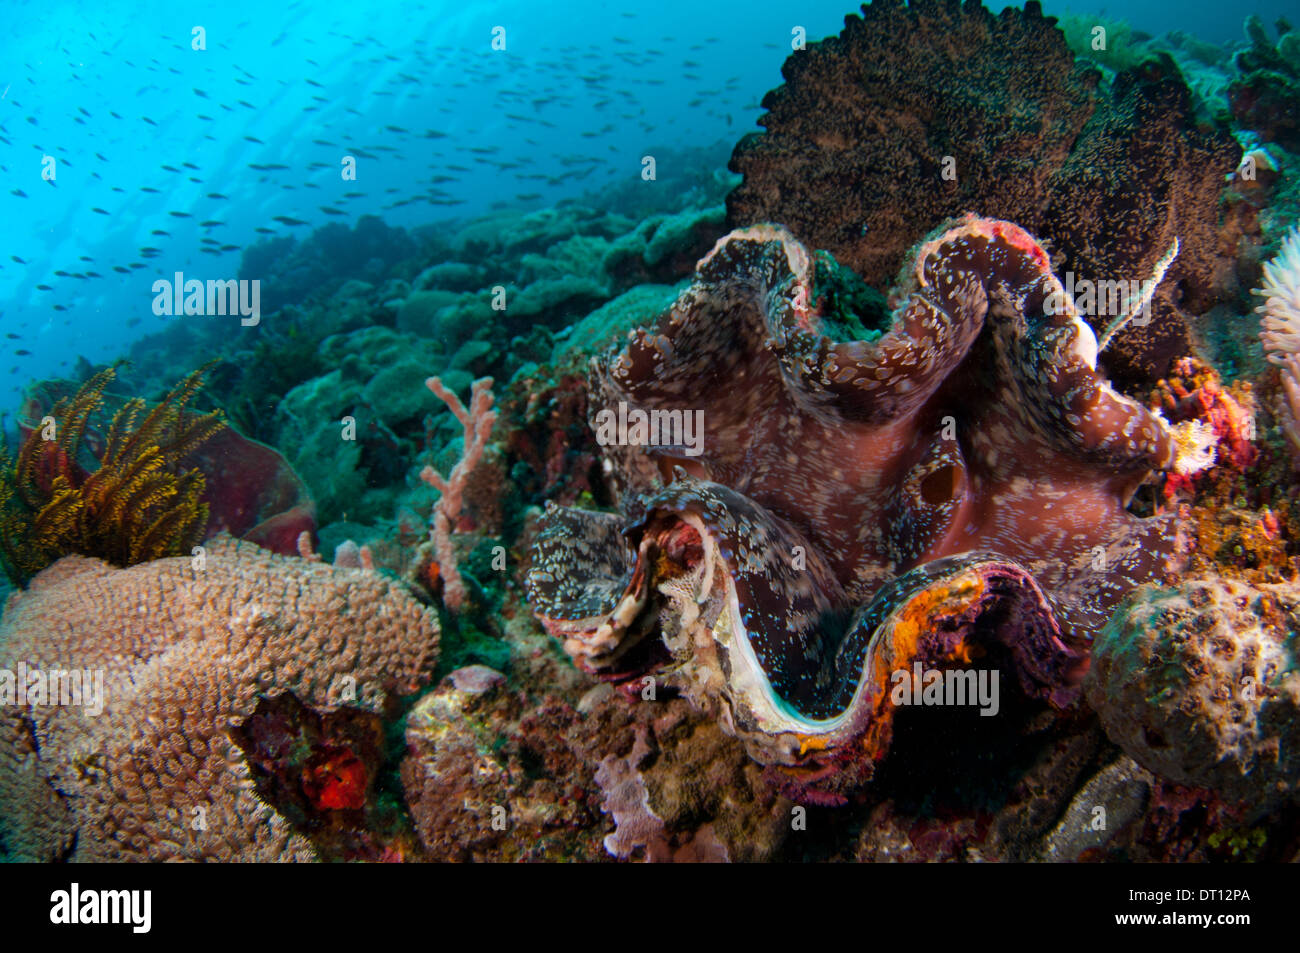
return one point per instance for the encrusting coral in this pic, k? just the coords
(954, 488)
(139, 503)
(186, 647)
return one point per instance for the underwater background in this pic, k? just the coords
(364, 564)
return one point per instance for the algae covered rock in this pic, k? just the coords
(1200, 684)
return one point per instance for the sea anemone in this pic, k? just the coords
(1280, 326)
(1279, 329)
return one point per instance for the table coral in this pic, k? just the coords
(953, 488)
(186, 650)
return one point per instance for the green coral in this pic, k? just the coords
(1084, 33)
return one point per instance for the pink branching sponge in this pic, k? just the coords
(477, 421)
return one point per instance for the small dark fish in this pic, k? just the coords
(180, 214)
(18, 260)
(22, 352)
(159, 231)
(44, 288)
(199, 92)
(148, 120)
(331, 211)
(254, 140)
(216, 195)
(121, 270)
(18, 192)
(210, 223)
(286, 220)
(145, 188)
(11, 336)
(170, 168)
(99, 211)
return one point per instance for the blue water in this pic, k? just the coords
(115, 92)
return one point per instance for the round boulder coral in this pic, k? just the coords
(1200, 685)
(130, 757)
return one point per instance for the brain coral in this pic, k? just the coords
(954, 488)
(920, 111)
(186, 650)
(1201, 684)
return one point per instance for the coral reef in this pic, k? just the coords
(942, 108)
(1264, 95)
(974, 438)
(293, 271)
(1199, 684)
(137, 501)
(492, 774)
(186, 647)
(320, 770)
